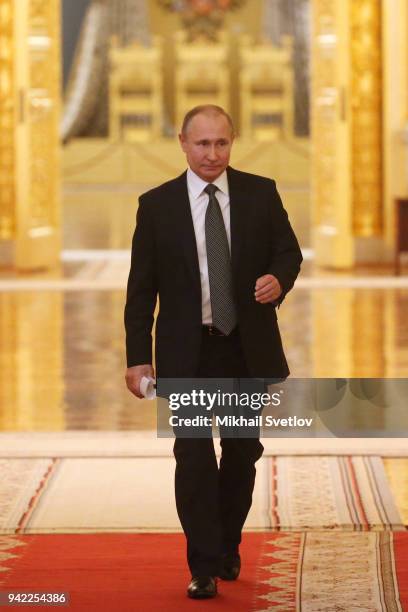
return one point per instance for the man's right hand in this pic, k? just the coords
(134, 376)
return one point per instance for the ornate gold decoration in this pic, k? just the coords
(202, 73)
(135, 91)
(366, 100)
(7, 121)
(267, 96)
(201, 17)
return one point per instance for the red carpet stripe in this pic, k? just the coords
(356, 493)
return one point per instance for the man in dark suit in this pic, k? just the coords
(216, 246)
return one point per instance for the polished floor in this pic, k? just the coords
(62, 359)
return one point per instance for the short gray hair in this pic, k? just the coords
(211, 110)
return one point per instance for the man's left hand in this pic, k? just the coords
(267, 289)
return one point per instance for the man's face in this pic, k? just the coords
(207, 144)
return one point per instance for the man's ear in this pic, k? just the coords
(182, 141)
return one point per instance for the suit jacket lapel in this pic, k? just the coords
(238, 211)
(184, 222)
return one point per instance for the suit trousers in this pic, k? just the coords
(213, 502)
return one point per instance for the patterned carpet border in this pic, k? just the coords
(344, 493)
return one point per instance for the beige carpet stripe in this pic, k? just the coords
(94, 495)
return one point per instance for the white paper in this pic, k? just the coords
(147, 387)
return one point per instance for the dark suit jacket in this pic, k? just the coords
(165, 263)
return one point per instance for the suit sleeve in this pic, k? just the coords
(141, 290)
(286, 255)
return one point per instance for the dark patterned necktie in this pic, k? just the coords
(224, 315)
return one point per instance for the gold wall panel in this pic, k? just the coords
(366, 86)
(7, 119)
(30, 64)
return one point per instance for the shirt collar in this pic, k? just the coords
(196, 185)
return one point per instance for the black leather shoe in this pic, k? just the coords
(202, 587)
(230, 566)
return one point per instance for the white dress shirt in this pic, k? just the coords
(198, 203)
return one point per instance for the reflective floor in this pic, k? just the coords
(62, 359)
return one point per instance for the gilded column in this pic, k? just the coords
(331, 184)
(395, 105)
(366, 131)
(30, 149)
(43, 108)
(346, 130)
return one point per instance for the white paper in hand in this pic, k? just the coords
(147, 387)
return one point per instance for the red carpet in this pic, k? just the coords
(148, 572)
(122, 572)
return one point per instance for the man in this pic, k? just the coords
(216, 246)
